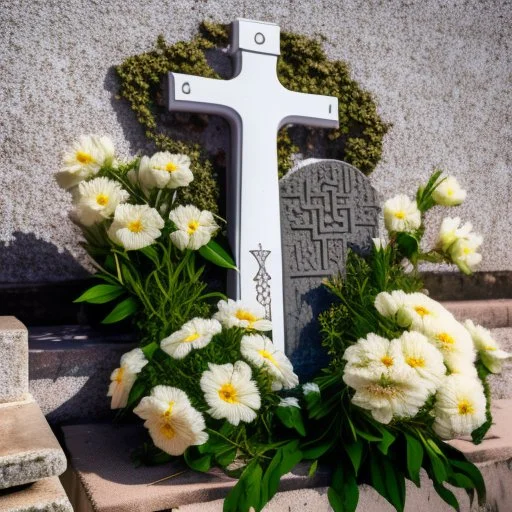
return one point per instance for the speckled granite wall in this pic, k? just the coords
(441, 72)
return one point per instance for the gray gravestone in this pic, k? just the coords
(326, 207)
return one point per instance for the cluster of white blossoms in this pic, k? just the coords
(460, 243)
(229, 389)
(401, 214)
(434, 357)
(134, 226)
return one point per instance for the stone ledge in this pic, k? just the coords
(14, 360)
(47, 495)
(28, 449)
(102, 478)
(489, 313)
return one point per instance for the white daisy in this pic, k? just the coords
(388, 304)
(449, 192)
(165, 170)
(417, 308)
(463, 252)
(310, 387)
(451, 231)
(425, 359)
(85, 159)
(460, 406)
(124, 377)
(289, 402)
(196, 333)
(195, 228)
(487, 347)
(98, 199)
(230, 392)
(260, 351)
(135, 226)
(401, 214)
(398, 393)
(173, 423)
(234, 314)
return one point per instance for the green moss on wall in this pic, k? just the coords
(303, 67)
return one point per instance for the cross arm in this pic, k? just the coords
(310, 109)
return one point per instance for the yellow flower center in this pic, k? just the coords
(119, 375)
(468, 250)
(192, 226)
(415, 362)
(242, 314)
(171, 167)
(489, 348)
(447, 340)
(422, 311)
(168, 411)
(387, 361)
(466, 407)
(102, 199)
(167, 431)
(267, 355)
(191, 338)
(400, 214)
(84, 158)
(135, 226)
(450, 192)
(382, 391)
(228, 393)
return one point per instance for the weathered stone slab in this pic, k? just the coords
(70, 368)
(102, 478)
(13, 360)
(47, 495)
(489, 313)
(327, 207)
(28, 449)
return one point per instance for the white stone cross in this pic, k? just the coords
(256, 105)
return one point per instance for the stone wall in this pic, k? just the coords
(440, 72)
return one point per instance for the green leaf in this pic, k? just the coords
(344, 493)
(151, 253)
(317, 450)
(387, 440)
(446, 495)
(291, 417)
(246, 493)
(197, 461)
(136, 393)
(101, 293)
(149, 350)
(439, 471)
(408, 244)
(414, 458)
(313, 468)
(213, 252)
(355, 454)
(469, 469)
(387, 481)
(123, 310)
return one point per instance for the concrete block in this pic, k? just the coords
(102, 478)
(70, 369)
(489, 313)
(28, 449)
(13, 360)
(47, 495)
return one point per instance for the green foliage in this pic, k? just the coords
(303, 67)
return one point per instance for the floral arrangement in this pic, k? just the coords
(210, 386)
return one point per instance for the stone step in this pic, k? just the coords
(46, 495)
(13, 360)
(489, 313)
(102, 478)
(28, 449)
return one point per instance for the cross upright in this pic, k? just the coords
(256, 106)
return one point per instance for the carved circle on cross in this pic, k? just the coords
(185, 88)
(259, 38)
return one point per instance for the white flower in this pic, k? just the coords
(451, 231)
(230, 392)
(135, 226)
(310, 387)
(234, 314)
(463, 253)
(425, 359)
(165, 170)
(396, 394)
(196, 333)
(379, 244)
(260, 351)
(417, 309)
(460, 406)
(173, 423)
(460, 365)
(98, 199)
(401, 214)
(124, 377)
(289, 402)
(449, 192)
(488, 348)
(85, 159)
(388, 304)
(195, 227)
